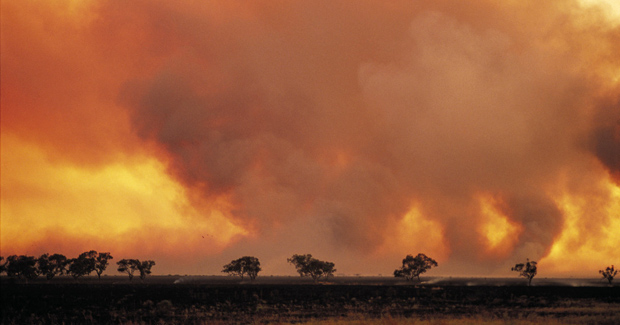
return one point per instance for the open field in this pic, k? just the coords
(365, 300)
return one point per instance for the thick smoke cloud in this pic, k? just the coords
(335, 119)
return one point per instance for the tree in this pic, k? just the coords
(527, 270)
(609, 273)
(307, 265)
(414, 266)
(3, 265)
(51, 266)
(245, 265)
(22, 266)
(145, 268)
(128, 266)
(101, 263)
(83, 265)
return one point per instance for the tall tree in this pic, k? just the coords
(245, 265)
(528, 270)
(415, 266)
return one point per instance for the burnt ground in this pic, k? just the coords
(291, 299)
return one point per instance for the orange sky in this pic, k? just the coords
(194, 133)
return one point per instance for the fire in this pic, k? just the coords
(590, 238)
(416, 233)
(498, 232)
(49, 204)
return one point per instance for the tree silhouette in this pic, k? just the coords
(245, 265)
(414, 266)
(527, 270)
(83, 265)
(22, 266)
(145, 268)
(129, 266)
(307, 265)
(51, 266)
(101, 263)
(609, 273)
(3, 265)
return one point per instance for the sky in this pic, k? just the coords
(480, 133)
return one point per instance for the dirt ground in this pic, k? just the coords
(344, 300)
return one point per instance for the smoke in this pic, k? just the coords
(333, 120)
(479, 133)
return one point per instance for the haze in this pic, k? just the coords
(479, 133)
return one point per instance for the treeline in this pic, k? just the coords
(29, 267)
(26, 267)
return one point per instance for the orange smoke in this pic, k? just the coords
(129, 208)
(498, 232)
(589, 239)
(197, 132)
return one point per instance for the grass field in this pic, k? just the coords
(342, 300)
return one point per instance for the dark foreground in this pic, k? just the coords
(288, 300)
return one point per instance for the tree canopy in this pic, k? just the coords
(50, 266)
(129, 266)
(246, 265)
(414, 266)
(307, 265)
(527, 270)
(22, 266)
(101, 263)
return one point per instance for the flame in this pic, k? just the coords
(47, 204)
(498, 232)
(590, 238)
(414, 233)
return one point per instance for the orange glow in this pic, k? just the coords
(196, 130)
(498, 232)
(46, 204)
(416, 234)
(591, 236)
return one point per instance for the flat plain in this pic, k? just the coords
(284, 299)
